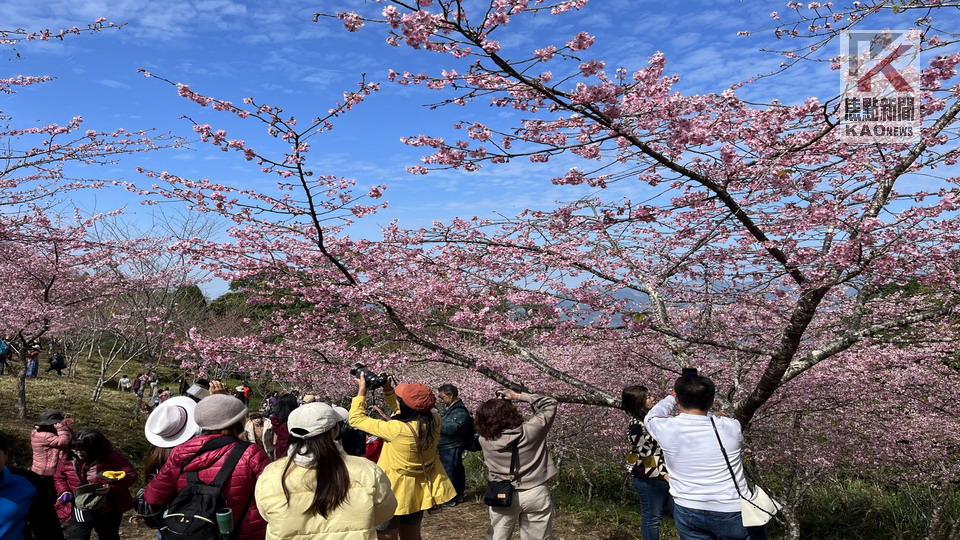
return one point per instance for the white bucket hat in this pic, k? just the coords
(172, 423)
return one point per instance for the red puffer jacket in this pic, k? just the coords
(237, 492)
(73, 473)
(283, 437)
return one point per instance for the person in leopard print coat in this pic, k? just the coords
(645, 463)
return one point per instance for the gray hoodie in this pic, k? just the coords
(536, 466)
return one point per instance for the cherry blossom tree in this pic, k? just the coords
(772, 254)
(53, 270)
(53, 274)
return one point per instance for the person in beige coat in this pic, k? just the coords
(319, 491)
(504, 431)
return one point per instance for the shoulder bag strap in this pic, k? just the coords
(726, 459)
(209, 446)
(230, 463)
(243, 516)
(423, 465)
(515, 460)
(733, 476)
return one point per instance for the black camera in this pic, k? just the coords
(374, 381)
(688, 372)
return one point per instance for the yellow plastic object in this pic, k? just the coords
(114, 476)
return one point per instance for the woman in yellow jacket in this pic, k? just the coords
(319, 491)
(409, 457)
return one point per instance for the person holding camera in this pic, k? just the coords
(515, 451)
(409, 456)
(645, 462)
(706, 500)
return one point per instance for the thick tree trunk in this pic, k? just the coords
(793, 523)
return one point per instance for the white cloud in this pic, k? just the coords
(110, 83)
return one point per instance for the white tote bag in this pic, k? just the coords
(759, 508)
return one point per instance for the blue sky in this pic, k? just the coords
(274, 52)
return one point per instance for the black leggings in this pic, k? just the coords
(107, 525)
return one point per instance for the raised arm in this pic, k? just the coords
(657, 416)
(359, 419)
(64, 435)
(544, 411)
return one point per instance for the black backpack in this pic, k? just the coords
(193, 513)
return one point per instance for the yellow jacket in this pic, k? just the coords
(370, 502)
(417, 477)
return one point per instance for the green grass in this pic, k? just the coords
(113, 414)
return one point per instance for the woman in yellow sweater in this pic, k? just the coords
(409, 457)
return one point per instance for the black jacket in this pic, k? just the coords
(457, 426)
(42, 520)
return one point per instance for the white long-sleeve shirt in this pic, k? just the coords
(699, 477)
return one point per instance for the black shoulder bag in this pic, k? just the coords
(499, 493)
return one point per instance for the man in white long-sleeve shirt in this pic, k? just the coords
(707, 506)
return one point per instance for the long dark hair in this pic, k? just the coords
(333, 480)
(427, 434)
(495, 416)
(634, 400)
(154, 461)
(94, 444)
(288, 402)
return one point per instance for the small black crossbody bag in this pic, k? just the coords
(500, 492)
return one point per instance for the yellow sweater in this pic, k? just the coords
(417, 487)
(370, 502)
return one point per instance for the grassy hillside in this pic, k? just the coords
(113, 414)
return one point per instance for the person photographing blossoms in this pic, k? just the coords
(515, 450)
(706, 501)
(409, 456)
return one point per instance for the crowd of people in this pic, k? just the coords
(302, 468)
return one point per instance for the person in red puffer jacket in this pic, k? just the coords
(288, 402)
(91, 455)
(218, 415)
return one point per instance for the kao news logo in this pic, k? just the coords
(881, 86)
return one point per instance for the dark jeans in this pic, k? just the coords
(452, 459)
(58, 369)
(707, 525)
(107, 525)
(655, 502)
